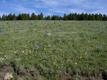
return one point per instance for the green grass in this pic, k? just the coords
(78, 48)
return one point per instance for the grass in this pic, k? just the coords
(55, 50)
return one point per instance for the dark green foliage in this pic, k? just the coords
(33, 16)
(40, 16)
(71, 16)
(47, 18)
(23, 16)
(54, 17)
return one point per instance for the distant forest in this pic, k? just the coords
(71, 16)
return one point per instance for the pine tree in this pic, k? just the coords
(33, 16)
(40, 16)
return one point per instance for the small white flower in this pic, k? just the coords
(49, 34)
(7, 56)
(15, 51)
(75, 62)
(23, 51)
(1, 59)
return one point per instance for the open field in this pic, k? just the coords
(53, 50)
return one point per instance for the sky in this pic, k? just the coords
(53, 7)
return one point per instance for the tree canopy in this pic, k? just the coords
(70, 16)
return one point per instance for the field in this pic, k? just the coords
(53, 50)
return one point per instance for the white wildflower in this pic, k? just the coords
(75, 62)
(1, 59)
(49, 34)
(23, 51)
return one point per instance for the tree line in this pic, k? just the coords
(71, 16)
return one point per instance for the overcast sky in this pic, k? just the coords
(50, 7)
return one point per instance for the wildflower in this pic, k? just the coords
(15, 51)
(2, 59)
(6, 56)
(49, 34)
(23, 51)
(75, 62)
(45, 49)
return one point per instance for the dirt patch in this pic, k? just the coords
(13, 72)
(6, 72)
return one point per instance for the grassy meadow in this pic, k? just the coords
(54, 50)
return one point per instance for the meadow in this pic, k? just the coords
(54, 50)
